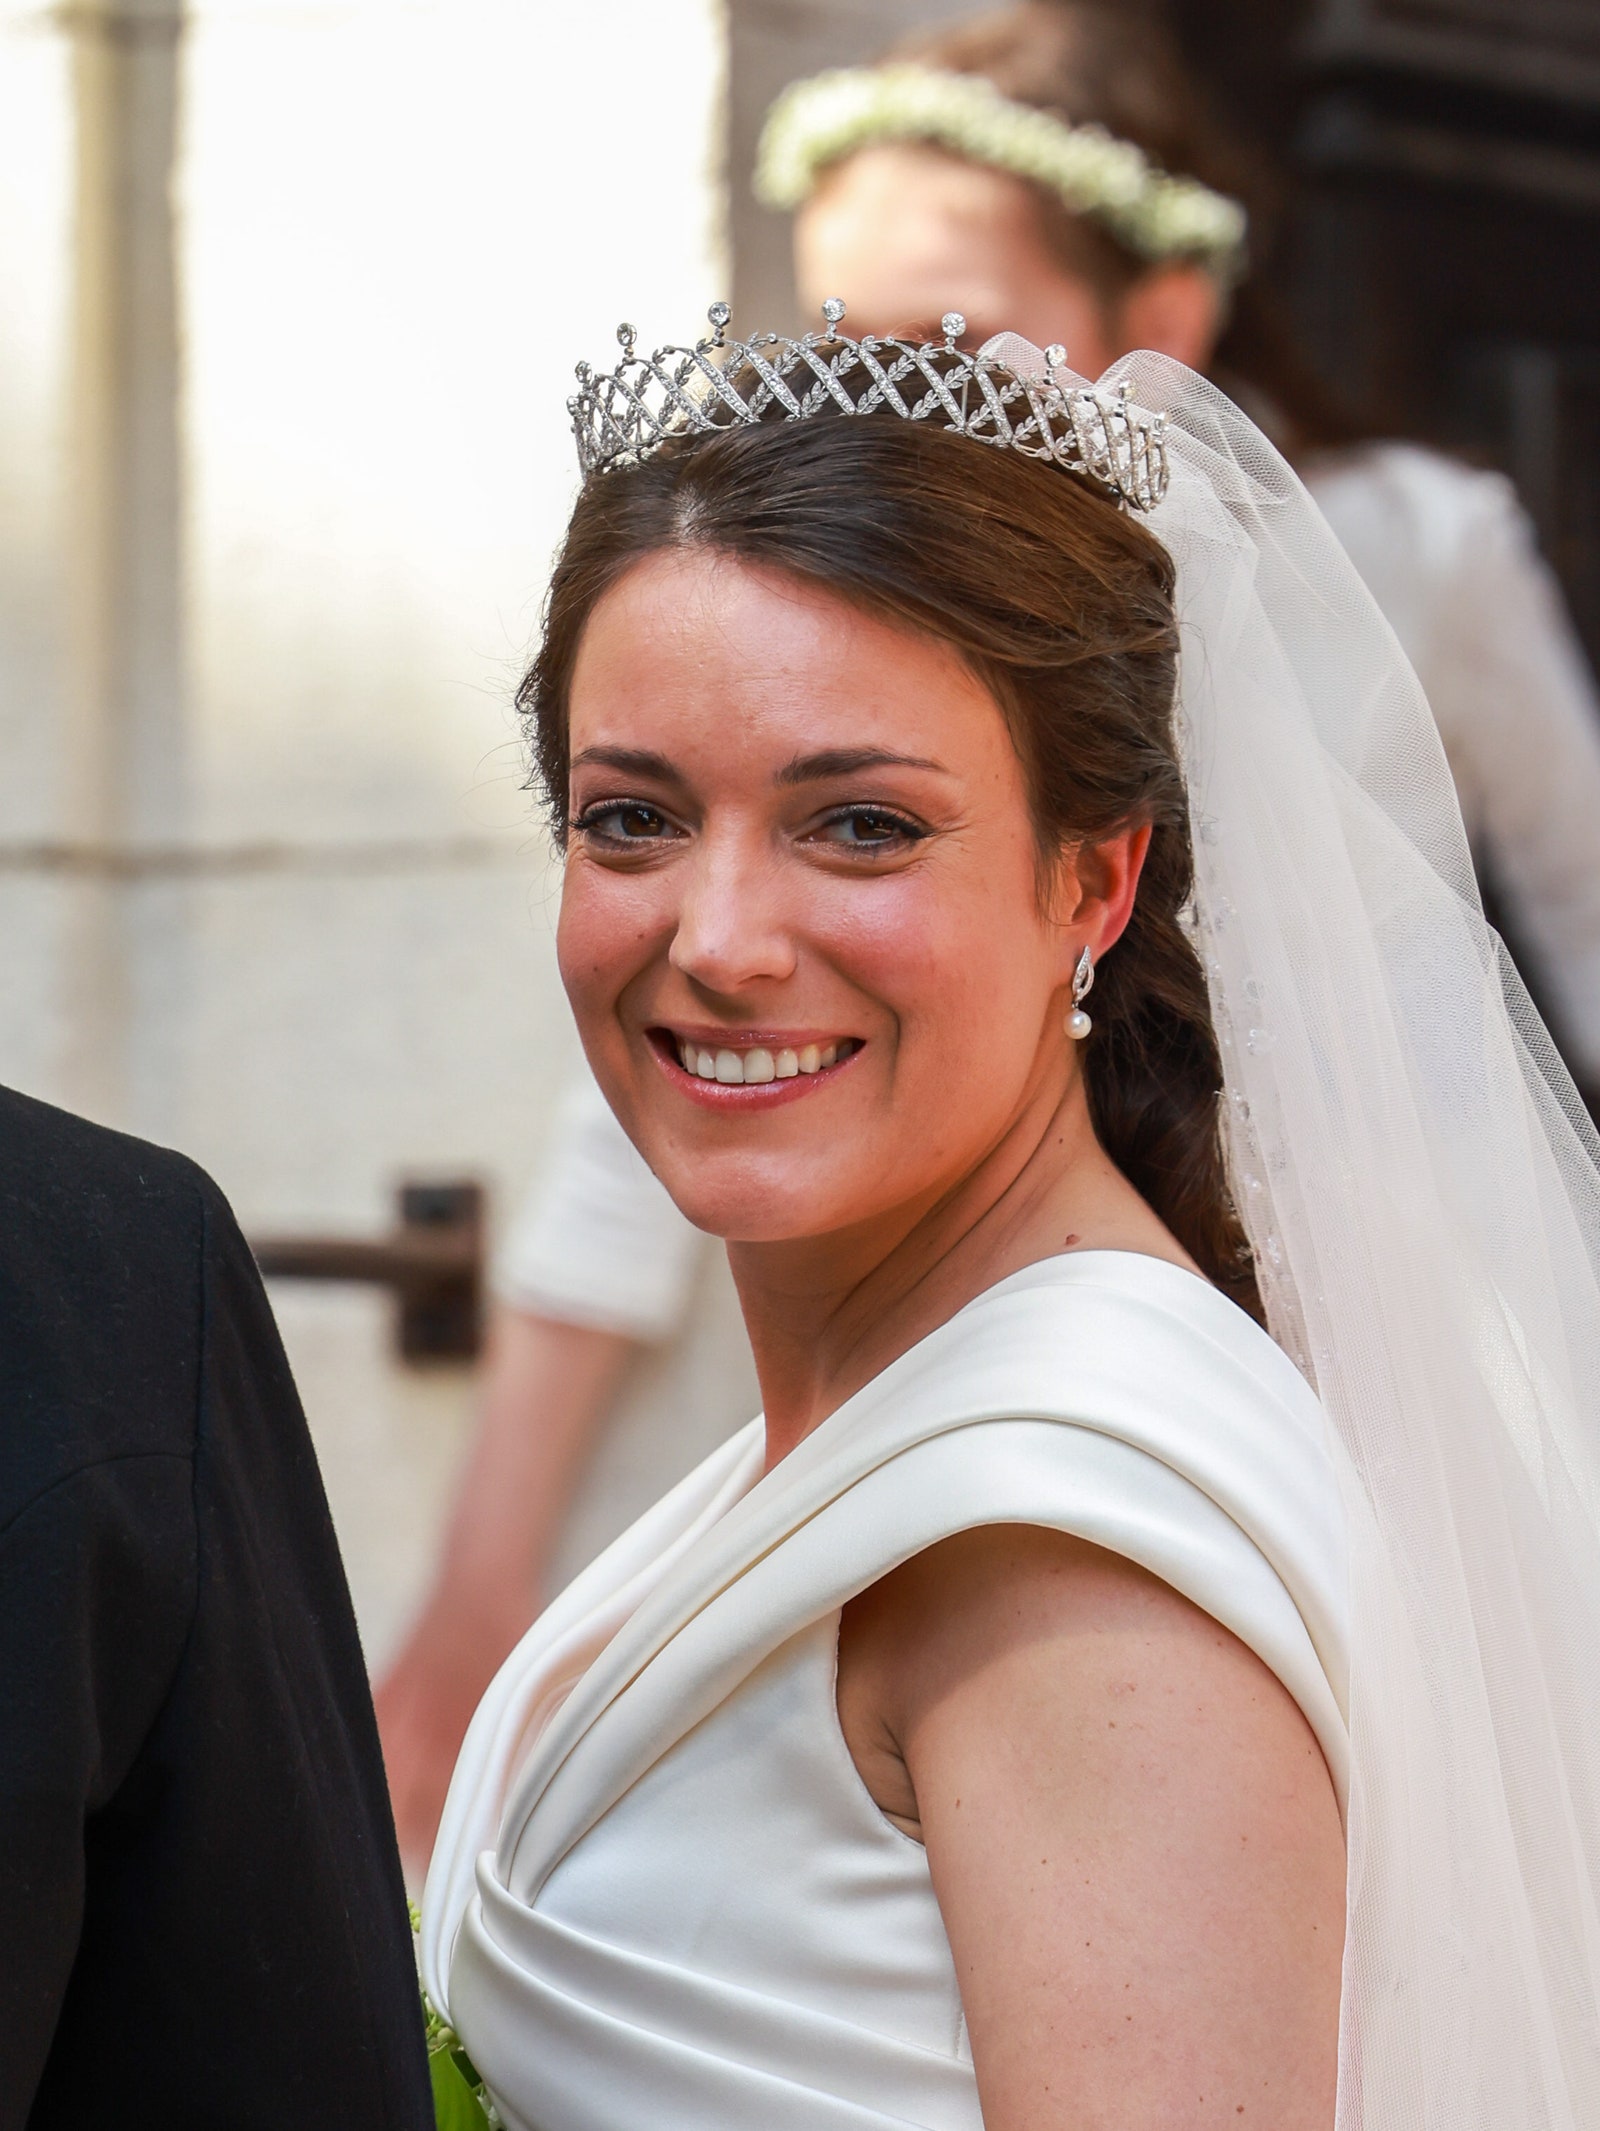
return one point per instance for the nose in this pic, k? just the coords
(731, 930)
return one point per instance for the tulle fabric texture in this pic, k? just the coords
(1418, 1179)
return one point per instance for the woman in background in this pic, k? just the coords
(911, 193)
(932, 181)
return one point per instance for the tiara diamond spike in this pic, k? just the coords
(620, 416)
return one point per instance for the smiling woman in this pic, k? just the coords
(869, 680)
(968, 1743)
(802, 897)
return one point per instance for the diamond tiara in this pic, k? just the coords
(620, 416)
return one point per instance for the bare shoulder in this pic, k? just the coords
(966, 1598)
(1128, 1822)
(1018, 1610)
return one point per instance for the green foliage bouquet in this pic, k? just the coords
(460, 2101)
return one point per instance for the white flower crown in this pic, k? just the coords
(816, 122)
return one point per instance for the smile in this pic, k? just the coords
(754, 1066)
(759, 1067)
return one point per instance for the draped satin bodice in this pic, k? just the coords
(692, 1916)
(708, 1905)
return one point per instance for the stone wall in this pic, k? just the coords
(289, 299)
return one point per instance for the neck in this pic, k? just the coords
(826, 1314)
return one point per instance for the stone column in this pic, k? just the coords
(121, 788)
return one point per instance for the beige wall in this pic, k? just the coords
(289, 301)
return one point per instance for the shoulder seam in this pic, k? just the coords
(90, 1465)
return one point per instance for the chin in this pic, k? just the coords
(752, 1207)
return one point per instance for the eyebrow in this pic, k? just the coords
(848, 761)
(804, 769)
(632, 761)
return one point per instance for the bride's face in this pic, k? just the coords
(802, 927)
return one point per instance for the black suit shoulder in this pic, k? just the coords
(102, 1241)
(200, 1900)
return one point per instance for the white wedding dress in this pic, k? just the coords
(629, 1935)
(689, 1915)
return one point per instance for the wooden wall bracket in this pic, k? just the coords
(433, 1260)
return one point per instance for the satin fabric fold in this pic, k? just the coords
(1106, 1395)
(589, 2036)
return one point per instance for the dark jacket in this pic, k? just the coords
(202, 1920)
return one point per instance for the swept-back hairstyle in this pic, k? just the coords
(1062, 606)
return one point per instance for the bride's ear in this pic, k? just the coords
(1095, 887)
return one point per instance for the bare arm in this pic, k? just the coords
(1131, 1831)
(547, 1386)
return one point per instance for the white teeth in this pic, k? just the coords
(754, 1068)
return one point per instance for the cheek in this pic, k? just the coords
(964, 974)
(606, 932)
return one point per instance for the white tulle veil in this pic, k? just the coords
(1418, 1180)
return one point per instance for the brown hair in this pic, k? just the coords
(1062, 607)
(1090, 63)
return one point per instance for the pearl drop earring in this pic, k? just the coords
(1078, 1022)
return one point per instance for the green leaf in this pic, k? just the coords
(465, 2066)
(455, 2106)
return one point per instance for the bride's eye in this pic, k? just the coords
(620, 822)
(867, 828)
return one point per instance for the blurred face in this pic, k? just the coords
(801, 926)
(905, 233)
